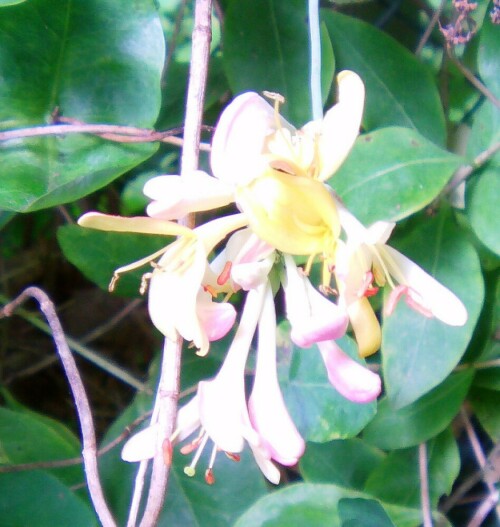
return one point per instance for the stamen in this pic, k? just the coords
(191, 447)
(415, 301)
(367, 288)
(233, 457)
(191, 469)
(394, 297)
(167, 450)
(309, 263)
(211, 290)
(209, 476)
(225, 274)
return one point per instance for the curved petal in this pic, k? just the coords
(142, 445)
(365, 326)
(268, 413)
(341, 124)
(349, 378)
(216, 318)
(313, 317)
(239, 137)
(441, 302)
(176, 196)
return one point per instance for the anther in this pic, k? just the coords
(166, 448)
(225, 274)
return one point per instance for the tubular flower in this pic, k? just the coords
(365, 260)
(278, 436)
(272, 171)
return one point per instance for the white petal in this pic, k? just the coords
(341, 123)
(349, 378)
(239, 137)
(267, 467)
(142, 445)
(443, 304)
(176, 196)
(188, 419)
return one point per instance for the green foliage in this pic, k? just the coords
(424, 124)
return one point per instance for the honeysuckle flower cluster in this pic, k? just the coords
(275, 176)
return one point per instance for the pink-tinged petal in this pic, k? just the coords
(176, 196)
(341, 123)
(142, 445)
(268, 413)
(223, 409)
(432, 295)
(188, 420)
(250, 275)
(349, 378)
(216, 318)
(239, 138)
(313, 317)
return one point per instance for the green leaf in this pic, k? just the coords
(27, 438)
(357, 512)
(485, 404)
(419, 352)
(314, 505)
(38, 498)
(485, 131)
(4, 3)
(397, 479)
(418, 422)
(488, 61)
(97, 254)
(346, 462)
(400, 90)
(266, 47)
(318, 410)
(392, 173)
(482, 197)
(97, 61)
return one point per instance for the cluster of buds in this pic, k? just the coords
(275, 176)
(464, 27)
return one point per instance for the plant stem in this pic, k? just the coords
(315, 79)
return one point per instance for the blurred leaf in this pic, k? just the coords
(318, 410)
(397, 480)
(418, 422)
(486, 404)
(97, 61)
(419, 352)
(488, 61)
(4, 3)
(356, 512)
(38, 498)
(266, 47)
(346, 462)
(482, 199)
(97, 254)
(400, 90)
(26, 437)
(392, 173)
(485, 131)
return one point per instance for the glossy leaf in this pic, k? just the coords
(392, 173)
(26, 437)
(345, 462)
(357, 512)
(314, 505)
(419, 352)
(400, 90)
(38, 498)
(397, 479)
(97, 254)
(318, 410)
(93, 61)
(418, 422)
(266, 47)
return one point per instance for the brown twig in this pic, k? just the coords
(424, 485)
(111, 132)
(472, 79)
(168, 388)
(465, 171)
(430, 26)
(81, 401)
